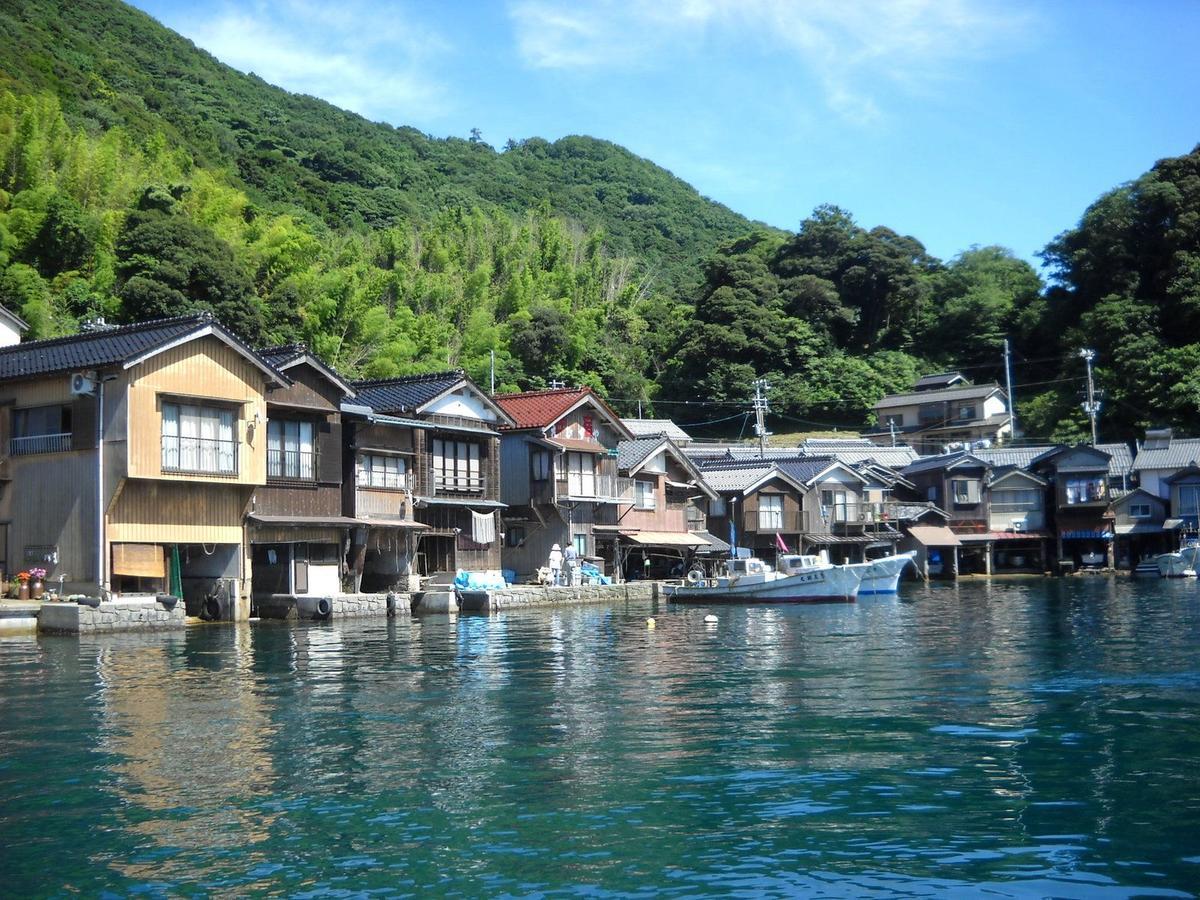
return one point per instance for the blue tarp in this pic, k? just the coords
(479, 581)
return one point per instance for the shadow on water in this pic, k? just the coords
(1010, 738)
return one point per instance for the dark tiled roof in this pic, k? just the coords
(97, 349)
(404, 395)
(962, 392)
(282, 354)
(633, 453)
(930, 463)
(940, 380)
(1175, 454)
(653, 427)
(804, 470)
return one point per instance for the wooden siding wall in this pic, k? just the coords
(200, 370)
(177, 513)
(515, 471)
(50, 500)
(282, 499)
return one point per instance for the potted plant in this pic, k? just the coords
(37, 583)
(23, 589)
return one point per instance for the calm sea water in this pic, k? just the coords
(1017, 739)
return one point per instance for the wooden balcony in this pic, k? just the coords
(381, 504)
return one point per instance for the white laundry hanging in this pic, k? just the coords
(483, 527)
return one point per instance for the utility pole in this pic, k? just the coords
(892, 429)
(493, 373)
(760, 414)
(1091, 406)
(1012, 401)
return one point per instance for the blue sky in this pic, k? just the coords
(956, 121)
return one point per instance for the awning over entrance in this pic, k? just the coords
(995, 536)
(1087, 535)
(1140, 528)
(1172, 524)
(715, 544)
(665, 538)
(305, 521)
(934, 536)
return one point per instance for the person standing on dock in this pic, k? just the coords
(556, 561)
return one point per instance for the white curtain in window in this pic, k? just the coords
(226, 461)
(170, 433)
(307, 458)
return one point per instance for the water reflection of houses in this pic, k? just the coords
(158, 698)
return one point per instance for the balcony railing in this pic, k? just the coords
(763, 522)
(610, 488)
(292, 464)
(199, 456)
(444, 483)
(39, 443)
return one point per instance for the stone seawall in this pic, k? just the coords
(113, 615)
(338, 606)
(525, 596)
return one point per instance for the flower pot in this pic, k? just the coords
(36, 589)
(23, 591)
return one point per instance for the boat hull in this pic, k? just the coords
(1183, 564)
(884, 575)
(835, 584)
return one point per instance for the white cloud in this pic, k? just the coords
(368, 59)
(850, 47)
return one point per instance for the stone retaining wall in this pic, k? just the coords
(341, 606)
(524, 596)
(349, 606)
(114, 615)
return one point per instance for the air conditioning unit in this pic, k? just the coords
(83, 384)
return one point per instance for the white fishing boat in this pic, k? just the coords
(1181, 564)
(798, 579)
(883, 577)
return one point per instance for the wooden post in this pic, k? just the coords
(987, 558)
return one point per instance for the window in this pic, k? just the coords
(931, 493)
(456, 466)
(835, 505)
(716, 507)
(1085, 490)
(1014, 500)
(581, 475)
(965, 491)
(931, 413)
(1139, 510)
(290, 450)
(388, 473)
(1189, 500)
(40, 429)
(198, 439)
(580, 542)
(643, 494)
(965, 413)
(541, 465)
(515, 536)
(770, 512)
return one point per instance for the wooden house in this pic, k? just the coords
(1140, 531)
(759, 505)
(131, 457)
(666, 524)
(560, 477)
(455, 471)
(380, 464)
(296, 529)
(942, 411)
(1079, 490)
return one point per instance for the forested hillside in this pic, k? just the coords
(140, 177)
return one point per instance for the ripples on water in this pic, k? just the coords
(1019, 739)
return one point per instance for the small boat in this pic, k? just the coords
(883, 576)
(798, 579)
(1182, 564)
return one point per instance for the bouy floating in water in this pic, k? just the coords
(650, 623)
(710, 619)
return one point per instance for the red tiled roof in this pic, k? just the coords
(541, 409)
